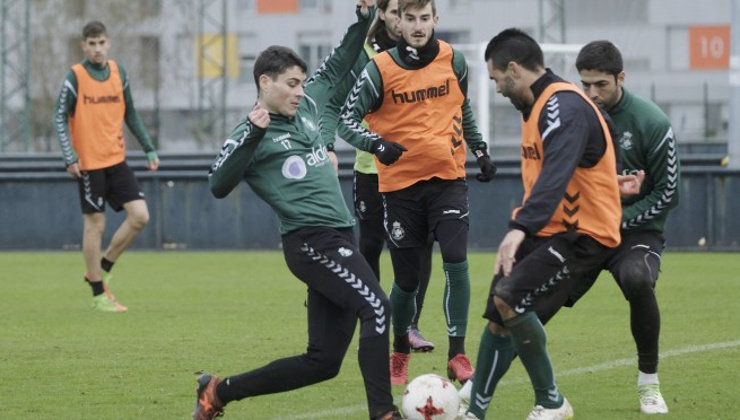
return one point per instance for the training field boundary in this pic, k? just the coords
(570, 372)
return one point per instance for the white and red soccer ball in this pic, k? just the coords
(430, 397)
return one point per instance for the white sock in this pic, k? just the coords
(647, 378)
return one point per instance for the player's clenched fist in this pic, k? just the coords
(365, 5)
(259, 116)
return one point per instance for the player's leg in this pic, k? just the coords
(137, 216)
(416, 339)
(332, 268)
(92, 188)
(636, 271)
(551, 267)
(495, 355)
(354, 288)
(369, 212)
(407, 232)
(448, 216)
(403, 303)
(124, 193)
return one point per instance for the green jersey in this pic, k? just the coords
(364, 161)
(646, 141)
(67, 101)
(287, 164)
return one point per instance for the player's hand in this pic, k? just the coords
(74, 170)
(153, 164)
(507, 250)
(387, 151)
(152, 161)
(334, 160)
(630, 184)
(259, 116)
(487, 168)
(365, 6)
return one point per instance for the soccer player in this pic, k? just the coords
(94, 101)
(414, 98)
(279, 152)
(646, 143)
(384, 34)
(566, 225)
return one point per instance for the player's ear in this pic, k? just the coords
(265, 82)
(620, 78)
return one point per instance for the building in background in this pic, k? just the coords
(192, 60)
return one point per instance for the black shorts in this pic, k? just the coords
(544, 274)
(116, 185)
(413, 212)
(368, 201)
(637, 247)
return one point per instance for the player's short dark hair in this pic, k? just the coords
(93, 29)
(416, 4)
(600, 56)
(514, 45)
(274, 61)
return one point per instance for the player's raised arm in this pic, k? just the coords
(320, 87)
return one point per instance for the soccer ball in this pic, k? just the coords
(430, 397)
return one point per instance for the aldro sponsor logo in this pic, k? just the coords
(413, 96)
(104, 99)
(296, 167)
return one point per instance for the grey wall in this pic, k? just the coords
(41, 210)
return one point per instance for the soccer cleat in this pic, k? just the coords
(651, 400)
(459, 368)
(564, 412)
(464, 394)
(103, 303)
(418, 342)
(107, 277)
(207, 405)
(399, 368)
(391, 415)
(465, 415)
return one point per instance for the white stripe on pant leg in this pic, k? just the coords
(354, 281)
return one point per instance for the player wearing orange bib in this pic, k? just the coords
(94, 101)
(567, 223)
(414, 98)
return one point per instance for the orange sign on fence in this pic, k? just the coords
(277, 6)
(709, 47)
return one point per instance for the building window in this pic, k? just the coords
(149, 52)
(313, 48)
(245, 5)
(322, 6)
(248, 53)
(149, 8)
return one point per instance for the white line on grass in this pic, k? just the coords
(570, 372)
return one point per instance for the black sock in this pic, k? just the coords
(401, 343)
(106, 264)
(96, 286)
(457, 346)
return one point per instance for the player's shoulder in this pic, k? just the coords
(643, 112)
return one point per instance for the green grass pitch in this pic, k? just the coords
(228, 312)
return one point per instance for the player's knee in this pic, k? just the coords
(636, 280)
(139, 219)
(324, 364)
(503, 307)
